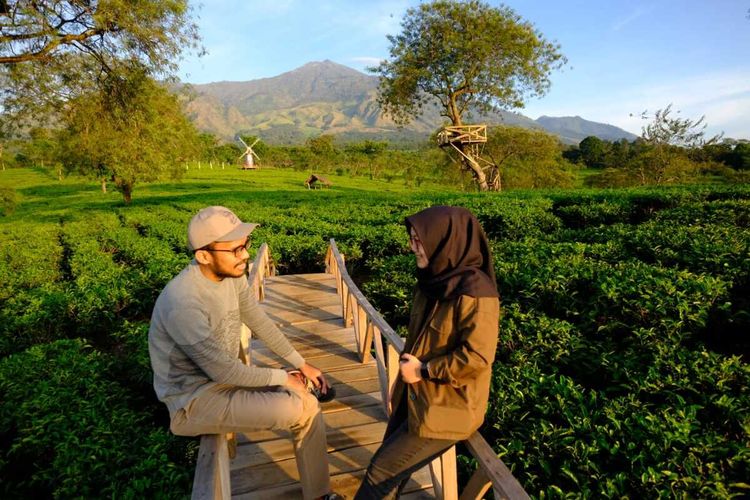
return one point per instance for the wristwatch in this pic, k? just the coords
(424, 372)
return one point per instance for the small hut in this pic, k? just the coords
(316, 181)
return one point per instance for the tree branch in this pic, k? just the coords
(52, 45)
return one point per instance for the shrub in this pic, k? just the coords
(8, 200)
(74, 434)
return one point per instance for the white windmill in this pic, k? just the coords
(249, 163)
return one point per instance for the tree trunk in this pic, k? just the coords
(125, 187)
(476, 170)
(127, 192)
(104, 185)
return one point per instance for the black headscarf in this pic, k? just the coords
(460, 262)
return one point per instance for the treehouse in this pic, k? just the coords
(468, 141)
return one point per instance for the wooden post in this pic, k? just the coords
(392, 373)
(365, 334)
(477, 486)
(444, 476)
(211, 479)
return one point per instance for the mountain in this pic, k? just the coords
(575, 128)
(325, 97)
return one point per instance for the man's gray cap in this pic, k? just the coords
(216, 224)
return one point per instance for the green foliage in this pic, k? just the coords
(527, 158)
(54, 50)
(133, 131)
(621, 369)
(462, 54)
(8, 200)
(593, 151)
(75, 434)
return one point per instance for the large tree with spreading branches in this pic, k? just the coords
(54, 50)
(464, 55)
(91, 68)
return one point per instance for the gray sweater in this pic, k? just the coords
(194, 339)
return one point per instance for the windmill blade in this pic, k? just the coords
(254, 143)
(243, 142)
(255, 155)
(240, 156)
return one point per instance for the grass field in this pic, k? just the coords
(621, 368)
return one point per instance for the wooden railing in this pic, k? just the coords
(211, 479)
(464, 134)
(372, 333)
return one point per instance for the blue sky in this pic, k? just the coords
(624, 56)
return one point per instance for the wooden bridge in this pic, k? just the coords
(335, 328)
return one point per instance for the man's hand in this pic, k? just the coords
(315, 376)
(294, 381)
(409, 366)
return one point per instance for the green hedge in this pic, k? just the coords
(70, 431)
(621, 368)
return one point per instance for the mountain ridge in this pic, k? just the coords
(326, 97)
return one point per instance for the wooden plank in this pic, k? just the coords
(309, 352)
(444, 477)
(286, 278)
(350, 287)
(337, 420)
(363, 372)
(361, 415)
(334, 361)
(356, 401)
(291, 299)
(504, 485)
(283, 449)
(297, 316)
(345, 484)
(312, 342)
(285, 472)
(356, 387)
(212, 476)
(477, 486)
(321, 328)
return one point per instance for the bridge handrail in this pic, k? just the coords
(212, 479)
(371, 330)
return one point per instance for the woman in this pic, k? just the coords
(441, 395)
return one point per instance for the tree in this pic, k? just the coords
(669, 137)
(740, 156)
(322, 152)
(594, 151)
(371, 151)
(53, 50)
(528, 158)
(461, 55)
(140, 135)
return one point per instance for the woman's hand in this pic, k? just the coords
(409, 366)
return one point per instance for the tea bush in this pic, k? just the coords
(621, 367)
(75, 434)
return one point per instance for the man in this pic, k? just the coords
(194, 341)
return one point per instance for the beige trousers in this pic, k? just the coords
(225, 408)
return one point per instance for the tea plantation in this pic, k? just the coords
(622, 366)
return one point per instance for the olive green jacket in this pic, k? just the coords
(457, 339)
